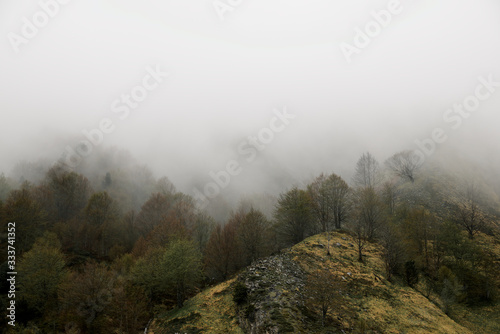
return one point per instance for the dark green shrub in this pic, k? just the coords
(411, 273)
(240, 293)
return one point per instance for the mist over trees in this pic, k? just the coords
(100, 249)
(404, 164)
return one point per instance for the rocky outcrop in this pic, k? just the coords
(274, 296)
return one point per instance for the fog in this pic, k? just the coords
(228, 79)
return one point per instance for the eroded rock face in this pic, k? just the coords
(275, 298)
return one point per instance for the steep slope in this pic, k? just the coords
(365, 302)
(211, 311)
(369, 301)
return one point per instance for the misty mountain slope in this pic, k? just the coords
(131, 182)
(364, 301)
(442, 182)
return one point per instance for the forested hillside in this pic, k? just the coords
(312, 289)
(403, 245)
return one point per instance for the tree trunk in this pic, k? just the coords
(180, 295)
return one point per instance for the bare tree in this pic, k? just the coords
(321, 201)
(339, 191)
(322, 289)
(468, 211)
(393, 250)
(252, 234)
(389, 196)
(404, 164)
(365, 217)
(329, 196)
(330, 204)
(367, 172)
(222, 252)
(360, 230)
(368, 211)
(419, 223)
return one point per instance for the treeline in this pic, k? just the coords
(438, 228)
(89, 262)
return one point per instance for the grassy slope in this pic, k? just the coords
(368, 301)
(371, 301)
(211, 311)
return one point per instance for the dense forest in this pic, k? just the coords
(105, 248)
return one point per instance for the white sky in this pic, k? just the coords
(227, 76)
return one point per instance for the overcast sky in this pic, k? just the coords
(228, 77)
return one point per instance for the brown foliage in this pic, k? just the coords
(222, 257)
